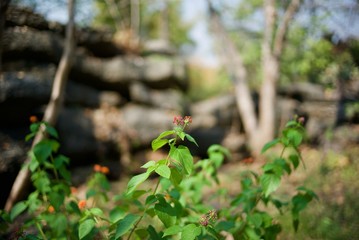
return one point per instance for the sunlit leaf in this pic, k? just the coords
(158, 143)
(295, 160)
(149, 164)
(191, 139)
(135, 181)
(270, 144)
(269, 182)
(175, 229)
(86, 227)
(164, 171)
(17, 210)
(125, 224)
(183, 155)
(190, 232)
(165, 212)
(116, 214)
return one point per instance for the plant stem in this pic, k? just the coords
(282, 153)
(54, 169)
(144, 211)
(40, 230)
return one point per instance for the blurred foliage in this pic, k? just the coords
(305, 58)
(177, 29)
(335, 216)
(153, 15)
(312, 53)
(206, 82)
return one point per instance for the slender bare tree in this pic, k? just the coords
(22, 180)
(259, 129)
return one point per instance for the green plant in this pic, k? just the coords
(174, 204)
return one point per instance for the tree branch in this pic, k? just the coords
(22, 180)
(281, 32)
(236, 69)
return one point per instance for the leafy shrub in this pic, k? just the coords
(175, 206)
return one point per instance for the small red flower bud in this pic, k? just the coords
(82, 204)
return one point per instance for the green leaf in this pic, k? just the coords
(116, 214)
(270, 144)
(51, 131)
(158, 143)
(30, 136)
(141, 233)
(149, 164)
(34, 164)
(96, 212)
(176, 177)
(181, 134)
(295, 223)
(295, 137)
(58, 224)
(165, 134)
(191, 139)
(269, 182)
(56, 199)
(291, 123)
(41, 182)
(150, 199)
(165, 212)
(135, 181)
(34, 127)
(42, 151)
(190, 232)
(272, 231)
(17, 209)
(175, 229)
(255, 219)
(153, 234)
(86, 227)
(125, 224)
(183, 155)
(90, 193)
(61, 160)
(224, 226)
(164, 171)
(308, 191)
(65, 173)
(295, 160)
(251, 233)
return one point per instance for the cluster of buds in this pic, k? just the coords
(33, 119)
(101, 169)
(81, 204)
(301, 120)
(182, 121)
(51, 209)
(208, 218)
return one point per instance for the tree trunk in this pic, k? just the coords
(258, 130)
(270, 76)
(22, 181)
(238, 73)
(271, 53)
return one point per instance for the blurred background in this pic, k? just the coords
(240, 68)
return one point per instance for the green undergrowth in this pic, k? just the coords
(336, 214)
(167, 200)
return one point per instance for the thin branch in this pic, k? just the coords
(282, 30)
(22, 180)
(112, 7)
(237, 71)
